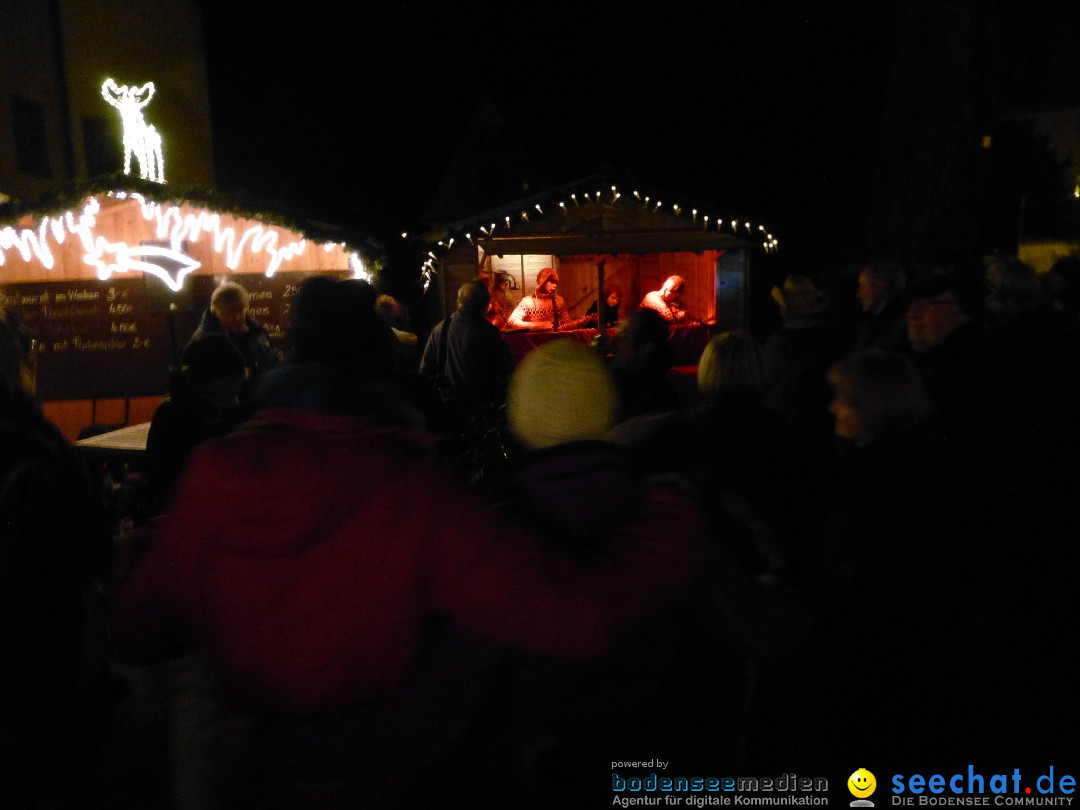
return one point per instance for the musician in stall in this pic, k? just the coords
(544, 310)
(668, 301)
(613, 297)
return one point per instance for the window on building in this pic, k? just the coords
(101, 145)
(31, 143)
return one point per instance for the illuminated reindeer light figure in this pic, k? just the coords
(140, 138)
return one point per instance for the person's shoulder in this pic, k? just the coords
(257, 329)
(25, 433)
(165, 411)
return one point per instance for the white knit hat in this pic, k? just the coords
(561, 392)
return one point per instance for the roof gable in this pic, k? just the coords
(596, 214)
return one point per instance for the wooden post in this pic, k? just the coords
(601, 321)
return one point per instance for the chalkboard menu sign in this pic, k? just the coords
(121, 336)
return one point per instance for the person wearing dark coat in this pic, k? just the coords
(203, 401)
(738, 453)
(881, 286)
(881, 581)
(227, 315)
(54, 558)
(1020, 570)
(641, 360)
(579, 491)
(467, 354)
(797, 355)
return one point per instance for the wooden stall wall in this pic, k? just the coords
(115, 339)
(577, 280)
(524, 270)
(638, 275)
(699, 271)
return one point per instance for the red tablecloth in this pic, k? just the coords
(687, 341)
(521, 343)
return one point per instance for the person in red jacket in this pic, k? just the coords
(305, 554)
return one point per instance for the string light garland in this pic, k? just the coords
(171, 225)
(707, 223)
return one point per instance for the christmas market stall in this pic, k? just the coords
(595, 233)
(110, 283)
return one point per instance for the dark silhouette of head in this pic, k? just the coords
(877, 393)
(642, 342)
(473, 297)
(732, 362)
(16, 372)
(334, 323)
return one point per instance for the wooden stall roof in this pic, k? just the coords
(610, 243)
(110, 278)
(600, 215)
(235, 204)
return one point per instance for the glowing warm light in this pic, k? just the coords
(126, 259)
(141, 139)
(171, 225)
(656, 207)
(358, 269)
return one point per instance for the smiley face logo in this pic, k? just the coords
(861, 783)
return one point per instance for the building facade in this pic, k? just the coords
(55, 125)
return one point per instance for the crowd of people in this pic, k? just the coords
(377, 570)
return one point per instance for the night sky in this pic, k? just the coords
(770, 109)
